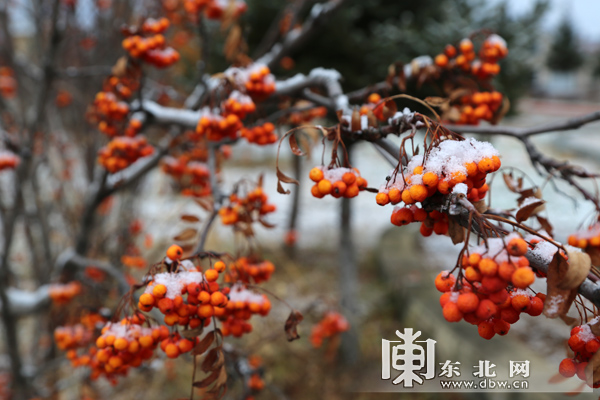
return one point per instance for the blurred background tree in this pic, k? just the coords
(564, 54)
(365, 38)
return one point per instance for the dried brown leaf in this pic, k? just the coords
(481, 206)
(595, 327)
(355, 121)
(291, 325)
(436, 101)
(205, 204)
(192, 333)
(530, 209)
(204, 344)
(190, 218)
(546, 225)
(592, 371)
(594, 253)
(558, 298)
(120, 67)
(579, 265)
(456, 231)
(208, 380)
(186, 234)
(511, 183)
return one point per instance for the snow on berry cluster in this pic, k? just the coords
(255, 79)
(584, 343)
(459, 166)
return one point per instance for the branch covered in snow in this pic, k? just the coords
(22, 303)
(329, 79)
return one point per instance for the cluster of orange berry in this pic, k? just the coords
(122, 151)
(109, 110)
(479, 106)
(242, 304)
(431, 222)
(333, 323)
(261, 134)
(490, 294)
(193, 176)
(124, 345)
(256, 80)
(588, 238)
(71, 337)
(204, 298)
(123, 86)
(63, 293)
(216, 127)
(584, 344)
(492, 50)
(152, 49)
(337, 182)
(8, 160)
(246, 209)
(245, 269)
(238, 104)
(453, 165)
(8, 83)
(305, 116)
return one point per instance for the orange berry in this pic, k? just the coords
(472, 168)
(402, 216)
(159, 290)
(474, 259)
(314, 190)
(219, 266)
(338, 189)
(492, 283)
(185, 345)
(395, 195)
(374, 98)
(418, 192)
(467, 302)
(506, 270)
(488, 267)
(441, 60)
(349, 178)
(576, 343)
(444, 282)
(120, 344)
(472, 274)
(172, 351)
(520, 302)
(420, 215)
(440, 227)
(567, 368)
(451, 312)
(501, 327)
(204, 297)
(382, 199)
(592, 346)
(536, 307)
(174, 252)
(486, 309)
(465, 46)
(325, 187)
(496, 163)
(444, 298)
(211, 275)
(444, 186)
(425, 230)
(316, 174)
(147, 299)
(510, 315)
(218, 299)
(486, 165)
(486, 329)
(206, 311)
(523, 277)
(418, 170)
(430, 180)
(517, 247)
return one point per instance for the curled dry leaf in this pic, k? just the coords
(192, 333)
(530, 209)
(480, 206)
(204, 343)
(291, 325)
(563, 280)
(456, 231)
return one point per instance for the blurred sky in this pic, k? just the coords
(585, 15)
